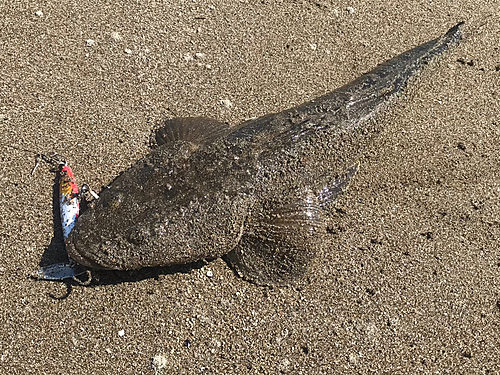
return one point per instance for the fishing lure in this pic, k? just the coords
(69, 200)
(69, 207)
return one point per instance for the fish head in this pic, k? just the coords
(161, 213)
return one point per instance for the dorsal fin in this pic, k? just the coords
(197, 130)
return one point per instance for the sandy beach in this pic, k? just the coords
(409, 281)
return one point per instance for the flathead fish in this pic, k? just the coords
(256, 194)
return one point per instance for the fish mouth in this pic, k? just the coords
(78, 256)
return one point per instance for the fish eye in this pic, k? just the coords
(169, 193)
(138, 236)
(112, 200)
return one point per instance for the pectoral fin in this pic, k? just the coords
(279, 241)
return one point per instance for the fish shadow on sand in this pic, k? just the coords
(105, 277)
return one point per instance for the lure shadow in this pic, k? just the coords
(55, 252)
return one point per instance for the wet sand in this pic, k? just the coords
(409, 281)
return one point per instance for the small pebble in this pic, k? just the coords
(227, 103)
(210, 273)
(199, 56)
(284, 365)
(159, 363)
(121, 333)
(353, 358)
(38, 13)
(116, 37)
(350, 10)
(128, 51)
(188, 57)
(313, 46)
(90, 43)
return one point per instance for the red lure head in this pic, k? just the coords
(68, 185)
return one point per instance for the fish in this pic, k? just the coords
(257, 194)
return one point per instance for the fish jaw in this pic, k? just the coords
(81, 253)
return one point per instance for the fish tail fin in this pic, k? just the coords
(391, 77)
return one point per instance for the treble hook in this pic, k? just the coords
(55, 160)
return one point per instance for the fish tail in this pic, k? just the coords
(350, 105)
(365, 94)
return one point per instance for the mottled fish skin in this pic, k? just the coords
(257, 192)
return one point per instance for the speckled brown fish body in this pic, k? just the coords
(257, 193)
